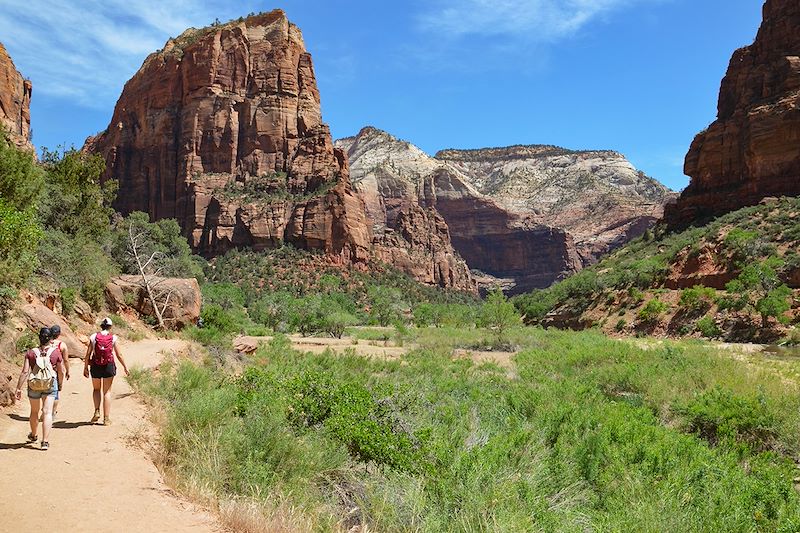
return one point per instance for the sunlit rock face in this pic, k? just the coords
(15, 102)
(752, 150)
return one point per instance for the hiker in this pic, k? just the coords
(44, 371)
(99, 361)
(55, 333)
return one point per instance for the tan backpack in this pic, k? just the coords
(42, 377)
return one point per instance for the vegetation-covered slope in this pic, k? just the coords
(733, 278)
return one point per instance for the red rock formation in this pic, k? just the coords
(15, 101)
(752, 150)
(498, 242)
(407, 235)
(222, 130)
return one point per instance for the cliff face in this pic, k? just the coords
(222, 130)
(408, 232)
(15, 102)
(524, 215)
(752, 150)
(598, 197)
(392, 175)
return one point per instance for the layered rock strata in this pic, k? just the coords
(596, 196)
(15, 102)
(222, 130)
(752, 150)
(524, 215)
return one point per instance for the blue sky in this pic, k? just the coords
(637, 76)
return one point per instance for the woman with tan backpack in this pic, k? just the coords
(43, 369)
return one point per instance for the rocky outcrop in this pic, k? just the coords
(183, 304)
(522, 217)
(596, 196)
(222, 130)
(15, 102)
(408, 232)
(752, 150)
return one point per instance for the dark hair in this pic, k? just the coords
(44, 336)
(55, 331)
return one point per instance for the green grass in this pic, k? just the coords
(590, 434)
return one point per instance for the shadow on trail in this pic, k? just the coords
(17, 445)
(18, 418)
(71, 425)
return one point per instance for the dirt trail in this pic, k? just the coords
(90, 479)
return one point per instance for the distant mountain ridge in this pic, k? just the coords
(526, 214)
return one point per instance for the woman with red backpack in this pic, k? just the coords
(99, 362)
(44, 371)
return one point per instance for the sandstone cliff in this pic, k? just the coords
(598, 197)
(392, 175)
(528, 215)
(752, 150)
(222, 130)
(15, 101)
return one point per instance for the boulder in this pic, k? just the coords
(36, 315)
(182, 296)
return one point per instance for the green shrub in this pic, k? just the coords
(718, 415)
(69, 297)
(20, 234)
(28, 340)
(698, 298)
(708, 328)
(93, 292)
(386, 304)
(652, 311)
(8, 296)
(620, 326)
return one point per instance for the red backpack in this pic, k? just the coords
(103, 349)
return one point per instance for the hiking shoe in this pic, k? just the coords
(32, 437)
(96, 416)
(45, 445)
(106, 421)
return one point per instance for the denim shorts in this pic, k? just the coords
(34, 395)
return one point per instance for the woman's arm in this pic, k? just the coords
(60, 373)
(121, 360)
(86, 360)
(26, 369)
(65, 355)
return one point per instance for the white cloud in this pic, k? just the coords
(87, 49)
(534, 20)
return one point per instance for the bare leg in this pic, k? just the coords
(96, 384)
(96, 396)
(34, 418)
(107, 382)
(48, 416)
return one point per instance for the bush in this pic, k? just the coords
(620, 326)
(386, 304)
(20, 234)
(698, 299)
(718, 415)
(21, 179)
(708, 328)
(28, 340)
(652, 311)
(69, 297)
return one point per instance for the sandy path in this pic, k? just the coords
(90, 479)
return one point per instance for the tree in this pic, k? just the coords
(386, 304)
(149, 270)
(21, 179)
(759, 288)
(498, 314)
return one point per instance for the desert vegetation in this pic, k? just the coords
(730, 279)
(586, 433)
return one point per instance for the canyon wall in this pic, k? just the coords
(522, 217)
(222, 130)
(752, 150)
(15, 102)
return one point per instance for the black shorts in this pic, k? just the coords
(103, 371)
